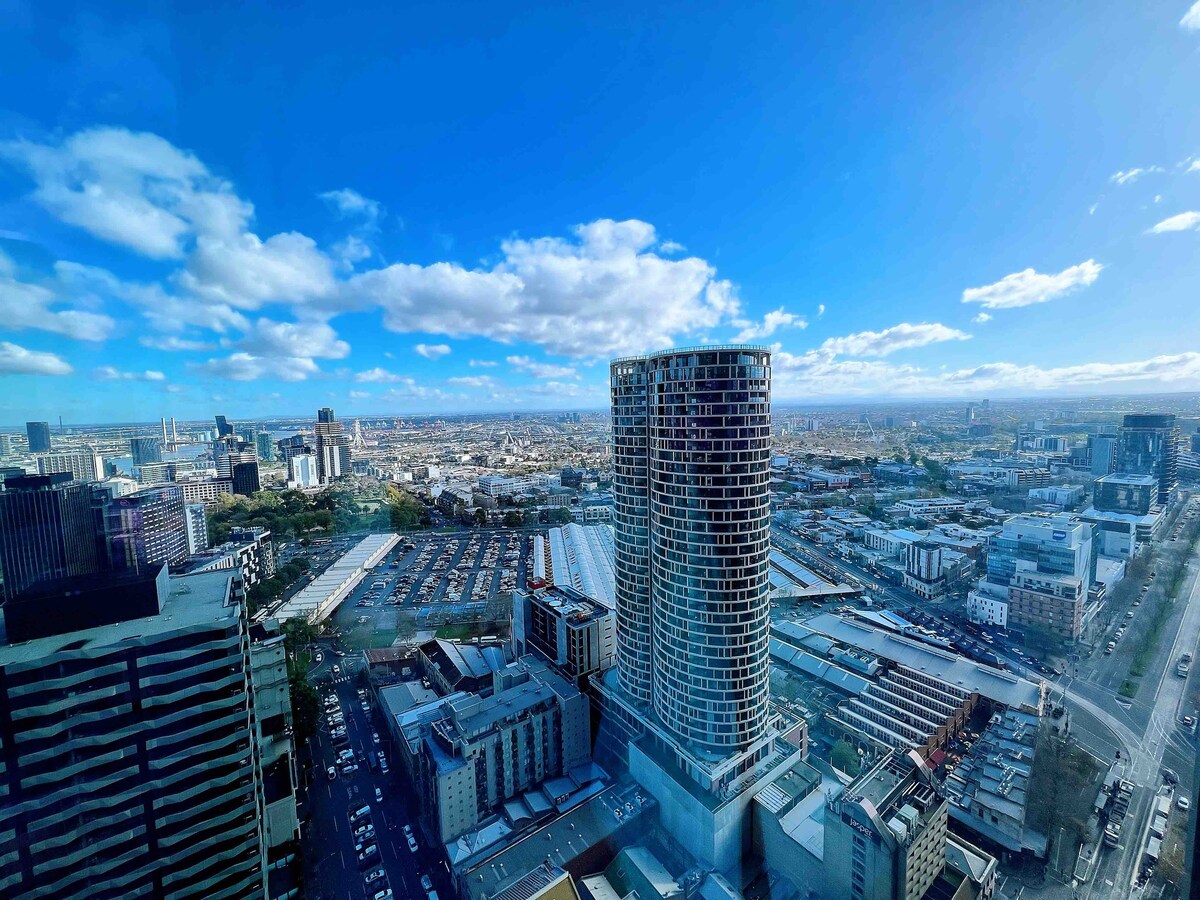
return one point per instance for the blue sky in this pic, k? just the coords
(401, 208)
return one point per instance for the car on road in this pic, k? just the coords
(1183, 803)
(375, 736)
(378, 795)
(412, 841)
(337, 670)
(331, 773)
(1169, 776)
(426, 883)
(1187, 721)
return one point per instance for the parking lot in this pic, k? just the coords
(436, 580)
(340, 861)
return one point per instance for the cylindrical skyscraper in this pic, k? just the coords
(692, 520)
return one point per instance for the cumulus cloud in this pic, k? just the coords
(294, 339)
(431, 351)
(111, 373)
(1028, 287)
(16, 360)
(539, 369)
(247, 367)
(981, 318)
(771, 322)
(1185, 221)
(604, 293)
(1128, 176)
(1191, 18)
(904, 336)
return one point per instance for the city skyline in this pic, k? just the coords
(149, 260)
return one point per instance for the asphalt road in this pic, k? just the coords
(331, 868)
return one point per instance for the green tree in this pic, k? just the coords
(480, 516)
(513, 518)
(844, 757)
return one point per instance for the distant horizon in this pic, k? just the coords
(776, 406)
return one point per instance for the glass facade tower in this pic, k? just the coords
(691, 466)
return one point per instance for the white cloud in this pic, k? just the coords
(350, 252)
(378, 376)
(485, 363)
(473, 381)
(904, 336)
(539, 369)
(15, 360)
(981, 318)
(129, 188)
(1191, 18)
(111, 373)
(604, 293)
(1185, 221)
(1128, 176)
(294, 339)
(246, 272)
(349, 202)
(1195, 166)
(358, 395)
(25, 305)
(172, 343)
(820, 310)
(816, 374)
(771, 322)
(431, 351)
(247, 367)
(670, 248)
(1028, 287)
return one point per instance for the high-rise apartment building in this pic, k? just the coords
(691, 464)
(133, 752)
(47, 530)
(333, 447)
(145, 450)
(303, 471)
(81, 465)
(197, 527)
(1149, 445)
(39, 436)
(688, 702)
(6, 445)
(148, 529)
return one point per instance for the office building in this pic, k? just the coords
(1126, 493)
(228, 455)
(147, 529)
(332, 447)
(1102, 453)
(1149, 445)
(265, 447)
(224, 429)
(81, 465)
(39, 436)
(145, 450)
(574, 632)
(132, 756)
(244, 476)
(6, 445)
(197, 527)
(1042, 567)
(47, 530)
(468, 755)
(923, 568)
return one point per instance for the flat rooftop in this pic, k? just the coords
(190, 600)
